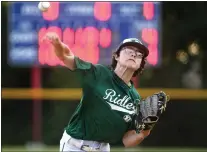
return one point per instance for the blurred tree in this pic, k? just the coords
(182, 23)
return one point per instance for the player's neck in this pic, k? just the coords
(124, 73)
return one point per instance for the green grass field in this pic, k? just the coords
(51, 149)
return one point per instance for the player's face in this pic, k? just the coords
(130, 57)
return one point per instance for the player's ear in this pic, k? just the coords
(116, 57)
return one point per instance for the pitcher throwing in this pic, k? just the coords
(111, 109)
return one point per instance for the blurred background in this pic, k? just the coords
(39, 94)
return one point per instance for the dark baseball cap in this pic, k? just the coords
(134, 42)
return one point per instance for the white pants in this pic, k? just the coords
(67, 144)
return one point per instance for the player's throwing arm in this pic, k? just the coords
(62, 51)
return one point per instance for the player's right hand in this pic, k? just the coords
(60, 48)
(53, 38)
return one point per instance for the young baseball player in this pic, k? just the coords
(110, 110)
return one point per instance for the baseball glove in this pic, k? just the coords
(150, 110)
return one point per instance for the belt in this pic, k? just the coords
(89, 148)
(83, 146)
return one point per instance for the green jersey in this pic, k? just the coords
(106, 107)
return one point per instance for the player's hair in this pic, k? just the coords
(137, 72)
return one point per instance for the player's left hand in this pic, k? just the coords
(150, 110)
